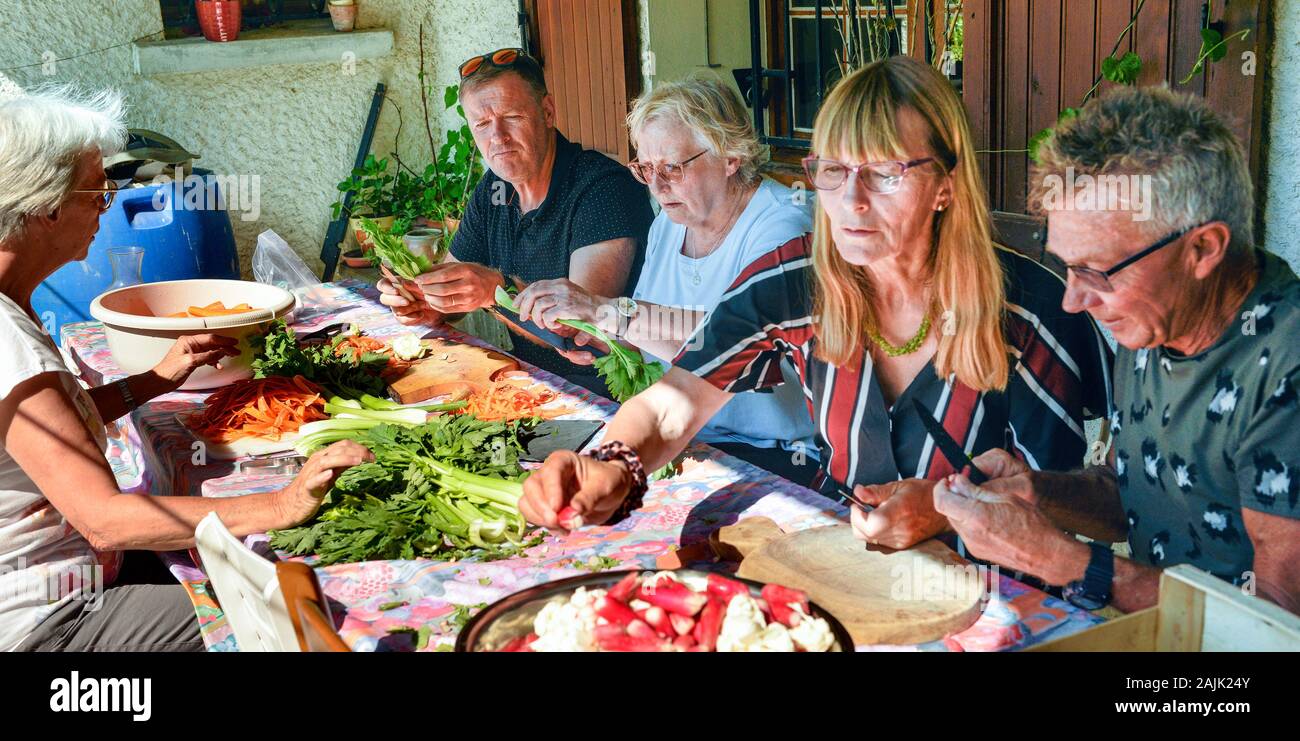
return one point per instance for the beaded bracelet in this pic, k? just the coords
(619, 451)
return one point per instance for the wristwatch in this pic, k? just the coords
(1092, 592)
(625, 307)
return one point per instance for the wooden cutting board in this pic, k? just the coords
(450, 368)
(882, 596)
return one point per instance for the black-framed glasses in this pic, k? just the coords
(669, 172)
(877, 177)
(507, 57)
(106, 194)
(1099, 280)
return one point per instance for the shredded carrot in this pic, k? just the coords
(358, 344)
(260, 407)
(504, 401)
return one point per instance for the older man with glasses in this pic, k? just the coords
(546, 209)
(1205, 467)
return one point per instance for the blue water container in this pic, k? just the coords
(179, 242)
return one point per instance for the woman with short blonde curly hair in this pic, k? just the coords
(699, 155)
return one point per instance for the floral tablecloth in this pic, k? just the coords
(380, 602)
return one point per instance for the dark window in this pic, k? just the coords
(810, 44)
(179, 16)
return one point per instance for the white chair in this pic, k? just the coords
(270, 606)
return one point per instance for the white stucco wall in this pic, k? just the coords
(1282, 196)
(296, 127)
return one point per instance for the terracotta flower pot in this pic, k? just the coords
(344, 17)
(384, 222)
(219, 19)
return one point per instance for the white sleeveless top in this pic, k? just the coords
(44, 561)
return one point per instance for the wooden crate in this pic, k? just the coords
(1196, 612)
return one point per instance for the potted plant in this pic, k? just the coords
(452, 175)
(343, 13)
(219, 19)
(372, 190)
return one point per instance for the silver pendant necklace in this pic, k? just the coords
(696, 278)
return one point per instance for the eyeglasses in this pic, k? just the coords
(877, 177)
(106, 193)
(508, 57)
(1099, 280)
(669, 172)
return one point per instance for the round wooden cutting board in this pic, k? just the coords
(882, 596)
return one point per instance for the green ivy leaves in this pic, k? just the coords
(1041, 137)
(1214, 47)
(1124, 70)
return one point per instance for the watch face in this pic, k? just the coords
(626, 306)
(1076, 595)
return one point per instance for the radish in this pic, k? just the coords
(684, 641)
(569, 519)
(624, 590)
(674, 597)
(609, 631)
(709, 625)
(640, 629)
(520, 644)
(682, 625)
(782, 601)
(630, 643)
(724, 588)
(614, 611)
(657, 618)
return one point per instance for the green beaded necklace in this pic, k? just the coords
(909, 347)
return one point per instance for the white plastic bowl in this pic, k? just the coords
(140, 333)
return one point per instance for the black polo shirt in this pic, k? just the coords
(591, 199)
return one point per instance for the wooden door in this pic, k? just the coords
(1025, 60)
(590, 54)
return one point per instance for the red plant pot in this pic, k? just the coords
(219, 19)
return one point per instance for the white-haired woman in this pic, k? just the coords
(698, 152)
(900, 298)
(64, 525)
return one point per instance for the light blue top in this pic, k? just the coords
(775, 215)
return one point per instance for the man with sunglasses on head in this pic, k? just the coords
(1205, 466)
(545, 209)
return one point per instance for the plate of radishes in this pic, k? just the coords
(654, 611)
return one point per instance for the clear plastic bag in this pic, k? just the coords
(276, 264)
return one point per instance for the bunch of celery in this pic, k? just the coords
(448, 488)
(625, 371)
(389, 250)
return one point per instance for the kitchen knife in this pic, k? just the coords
(949, 447)
(557, 434)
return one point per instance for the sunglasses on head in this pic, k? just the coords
(507, 57)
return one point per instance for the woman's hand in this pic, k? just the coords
(191, 352)
(298, 501)
(585, 489)
(546, 302)
(904, 514)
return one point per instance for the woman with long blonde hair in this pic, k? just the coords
(900, 296)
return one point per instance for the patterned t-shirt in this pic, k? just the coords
(1198, 438)
(1059, 376)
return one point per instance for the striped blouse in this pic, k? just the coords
(1060, 376)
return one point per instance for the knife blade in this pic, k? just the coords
(949, 447)
(557, 434)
